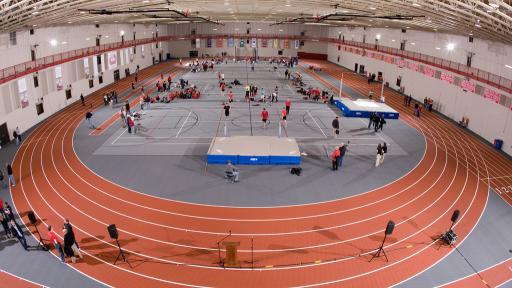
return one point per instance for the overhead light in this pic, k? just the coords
(214, 29)
(121, 32)
(407, 27)
(345, 11)
(53, 42)
(416, 5)
(386, 26)
(429, 21)
(287, 5)
(478, 25)
(280, 30)
(412, 43)
(371, 20)
(35, 13)
(106, 36)
(377, 36)
(116, 21)
(494, 4)
(392, 40)
(64, 43)
(145, 1)
(450, 46)
(69, 22)
(438, 48)
(87, 39)
(259, 29)
(35, 25)
(372, 8)
(508, 66)
(82, 12)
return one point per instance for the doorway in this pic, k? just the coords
(117, 76)
(356, 66)
(4, 134)
(361, 69)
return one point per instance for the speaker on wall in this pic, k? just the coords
(112, 231)
(471, 38)
(390, 227)
(404, 30)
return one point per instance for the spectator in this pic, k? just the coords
(88, 117)
(70, 248)
(18, 233)
(82, 99)
(378, 157)
(10, 175)
(335, 127)
(56, 243)
(334, 158)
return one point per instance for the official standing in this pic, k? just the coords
(10, 175)
(335, 127)
(378, 157)
(16, 230)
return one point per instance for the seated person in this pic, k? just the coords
(231, 170)
(464, 122)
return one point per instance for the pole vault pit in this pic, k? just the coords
(254, 150)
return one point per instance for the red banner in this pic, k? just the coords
(468, 86)
(286, 44)
(220, 42)
(264, 43)
(492, 95)
(447, 77)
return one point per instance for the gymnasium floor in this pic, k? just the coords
(427, 175)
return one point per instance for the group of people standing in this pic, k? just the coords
(11, 228)
(337, 156)
(70, 249)
(376, 121)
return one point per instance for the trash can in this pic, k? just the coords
(498, 143)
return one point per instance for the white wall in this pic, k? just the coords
(489, 56)
(68, 38)
(488, 119)
(182, 48)
(14, 115)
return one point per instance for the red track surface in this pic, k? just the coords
(491, 277)
(325, 244)
(10, 280)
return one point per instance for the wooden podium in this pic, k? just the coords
(231, 254)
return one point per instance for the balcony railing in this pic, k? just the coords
(13, 72)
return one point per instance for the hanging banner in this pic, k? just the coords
(198, 43)
(447, 77)
(209, 42)
(297, 44)
(286, 44)
(429, 71)
(112, 60)
(242, 43)
(468, 86)
(231, 42)
(264, 43)
(253, 42)
(276, 43)
(492, 95)
(220, 42)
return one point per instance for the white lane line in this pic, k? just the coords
(115, 140)
(182, 125)
(499, 177)
(316, 123)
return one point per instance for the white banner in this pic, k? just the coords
(253, 43)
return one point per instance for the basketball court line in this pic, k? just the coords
(316, 123)
(182, 125)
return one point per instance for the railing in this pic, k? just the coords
(13, 72)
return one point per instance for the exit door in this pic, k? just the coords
(4, 134)
(356, 66)
(361, 69)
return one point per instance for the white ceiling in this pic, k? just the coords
(488, 19)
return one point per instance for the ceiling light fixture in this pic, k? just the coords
(508, 66)
(373, 8)
(438, 48)
(377, 36)
(53, 42)
(450, 46)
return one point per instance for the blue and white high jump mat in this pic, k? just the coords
(254, 150)
(362, 108)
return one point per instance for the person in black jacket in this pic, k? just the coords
(82, 99)
(68, 227)
(382, 121)
(376, 121)
(370, 121)
(5, 224)
(10, 175)
(70, 248)
(335, 127)
(16, 231)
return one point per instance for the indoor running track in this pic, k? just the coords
(325, 244)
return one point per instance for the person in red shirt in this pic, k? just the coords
(288, 103)
(230, 96)
(56, 243)
(283, 115)
(264, 117)
(334, 158)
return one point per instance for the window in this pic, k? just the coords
(22, 92)
(58, 77)
(86, 67)
(12, 38)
